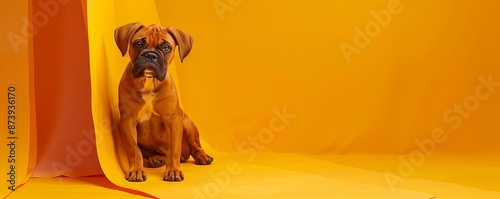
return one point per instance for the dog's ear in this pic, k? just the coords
(123, 34)
(183, 40)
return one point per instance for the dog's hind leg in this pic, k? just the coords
(192, 138)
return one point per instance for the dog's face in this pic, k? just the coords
(151, 48)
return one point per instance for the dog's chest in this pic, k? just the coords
(148, 96)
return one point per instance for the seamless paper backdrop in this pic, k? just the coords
(256, 56)
(17, 119)
(66, 140)
(315, 77)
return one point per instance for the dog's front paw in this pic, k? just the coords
(201, 158)
(136, 175)
(173, 175)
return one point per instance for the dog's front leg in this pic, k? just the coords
(173, 124)
(128, 129)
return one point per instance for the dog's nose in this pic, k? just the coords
(150, 56)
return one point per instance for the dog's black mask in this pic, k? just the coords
(151, 61)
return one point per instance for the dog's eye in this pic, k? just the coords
(166, 47)
(139, 44)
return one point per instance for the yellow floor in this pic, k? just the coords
(272, 175)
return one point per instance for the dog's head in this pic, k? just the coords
(151, 48)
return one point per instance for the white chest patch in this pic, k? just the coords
(147, 110)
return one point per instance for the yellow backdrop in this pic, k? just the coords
(375, 93)
(265, 78)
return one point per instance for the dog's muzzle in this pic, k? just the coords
(149, 64)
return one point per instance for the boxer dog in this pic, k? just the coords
(153, 128)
